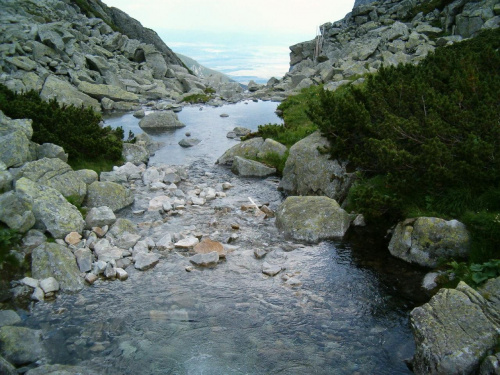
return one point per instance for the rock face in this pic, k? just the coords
(52, 211)
(308, 172)
(250, 168)
(54, 260)
(76, 56)
(385, 32)
(453, 331)
(312, 219)
(108, 194)
(427, 239)
(161, 121)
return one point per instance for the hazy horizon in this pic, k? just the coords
(242, 40)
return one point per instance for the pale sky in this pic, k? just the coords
(298, 16)
(244, 39)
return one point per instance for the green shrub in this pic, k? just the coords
(431, 130)
(76, 129)
(8, 239)
(474, 274)
(197, 98)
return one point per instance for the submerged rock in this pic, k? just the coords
(20, 345)
(312, 219)
(189, 142)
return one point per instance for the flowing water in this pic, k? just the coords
(346, 311)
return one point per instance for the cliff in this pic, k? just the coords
(82, 52)
(376, 33)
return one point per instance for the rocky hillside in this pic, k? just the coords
(385, 32)
(83, 52)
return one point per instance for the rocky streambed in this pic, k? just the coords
(322, 311)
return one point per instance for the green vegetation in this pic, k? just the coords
(200, 98)
(75, 129)
(8, 239)
(297, 124)
(425, 139)
(473, 274)
(273, 159)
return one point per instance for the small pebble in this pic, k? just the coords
(235, 226)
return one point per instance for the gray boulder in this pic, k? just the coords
(145, 261)
(241, 131)
(5, 178)
(14, 149)
(57, 261)
(189, 142)
(84, 259)
(310, 172)
(20, 345)
(248, 149)
(16, 213)
(427, 239)
(161, 121)
(135, 153)
(50, 150)
(205, 260)
(270, 146)
(87, 175)
(108, 194)
(6, 368)
(453, 332)
(99, 217)
(100, 91)
(250, 168)
(65, 93)
(312, 219)
(56, 174)
(9, 318)
(52, 211)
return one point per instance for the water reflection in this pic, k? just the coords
(206, 125)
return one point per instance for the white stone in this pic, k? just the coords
(38, 295)
(121, 274)
(28, 281)
(156, 204)
(165, 243)
(205, 260)
(49, 285)
(187, 243)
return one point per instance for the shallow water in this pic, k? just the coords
(349, 315)
(206, 125)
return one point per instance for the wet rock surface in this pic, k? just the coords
(271, 288)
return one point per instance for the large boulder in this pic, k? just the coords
(248, 149)
(15, 138)
(52, 211)
(135, 153)
(57, 261)
(270, 146)
(57, 174)
(453, 332)
(250, 168)
(99, 217)
(311, 172)
(16, 213)
(100, 91)
(312, 219)
(161, 121)
(65, 93)
(425, 240)
(50, 150)
(20, 345)
(113, 195)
